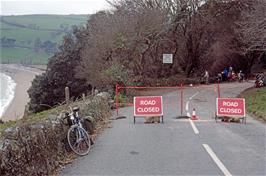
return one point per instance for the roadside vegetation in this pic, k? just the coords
(29, 119)
(93, 106)
(125, 45)
(41, 138)
(32, 39)
(256, 102)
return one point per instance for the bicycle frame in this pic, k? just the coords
(78, 133)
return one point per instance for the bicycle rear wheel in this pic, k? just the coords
(79, 140)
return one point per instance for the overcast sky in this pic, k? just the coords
(22, 7)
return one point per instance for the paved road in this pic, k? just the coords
(179, 147)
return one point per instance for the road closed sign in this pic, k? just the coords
(148, 106)
(231, 107)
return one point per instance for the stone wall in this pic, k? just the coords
(38, 148)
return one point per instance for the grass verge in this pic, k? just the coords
(32, 118)
(256, 102)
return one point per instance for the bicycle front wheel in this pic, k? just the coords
(79, 140)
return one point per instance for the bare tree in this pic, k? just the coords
(252, 27)
(127, 36)
(136, 33)
(252, 30)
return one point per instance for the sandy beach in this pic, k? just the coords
(23, 77)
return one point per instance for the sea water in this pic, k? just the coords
(7, 92)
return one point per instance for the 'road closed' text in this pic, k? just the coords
(230, 107)
(148, 106)
(149, 109)
(231, 110)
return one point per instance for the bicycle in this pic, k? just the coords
(77, 137)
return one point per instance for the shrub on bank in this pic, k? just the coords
(39, 147)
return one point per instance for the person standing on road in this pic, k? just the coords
(206, 76)
(233, 77)
(225, 74)
(231, 69)
(230, 72)
(240, 76)
(219, 77)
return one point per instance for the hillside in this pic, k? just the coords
(32, 39)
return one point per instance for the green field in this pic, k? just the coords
(24, 35)
(256, 102)
(23, 56)
(47, 21)
(27, 29)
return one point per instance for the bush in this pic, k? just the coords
(97, 108)
(121, 98)
(117, 74)
(38, 145)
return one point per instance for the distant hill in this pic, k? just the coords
(32, 39)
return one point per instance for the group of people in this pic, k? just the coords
(228, 74)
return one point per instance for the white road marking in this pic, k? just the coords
(196, 131)
(193, 96)
(187, 103)
(190, 98)
(216, 160)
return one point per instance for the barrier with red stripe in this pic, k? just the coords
(180, 88)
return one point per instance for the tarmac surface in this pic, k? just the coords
(179, 146)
